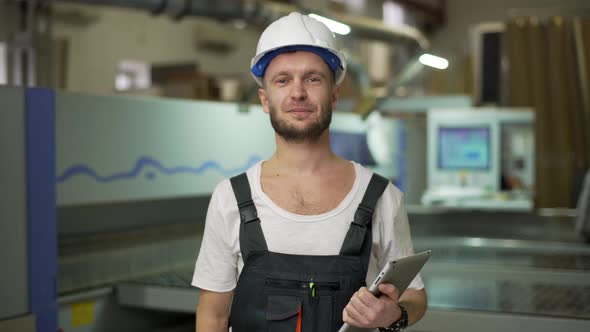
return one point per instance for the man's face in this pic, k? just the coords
(299, 94)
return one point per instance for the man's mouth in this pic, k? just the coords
(300, 112)
(300, 109)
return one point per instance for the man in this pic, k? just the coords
(299, 229)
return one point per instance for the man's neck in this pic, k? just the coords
(307, 157)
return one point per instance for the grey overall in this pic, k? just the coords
(298, 293)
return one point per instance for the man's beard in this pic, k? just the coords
(310, 133)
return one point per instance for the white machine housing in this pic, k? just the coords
(498, 135)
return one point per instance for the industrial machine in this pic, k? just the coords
(480, 158)
(120, 187)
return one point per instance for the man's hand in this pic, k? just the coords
(367, 311)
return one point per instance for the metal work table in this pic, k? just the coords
(502, 267)
(515, 280)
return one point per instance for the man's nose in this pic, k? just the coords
(298, 91)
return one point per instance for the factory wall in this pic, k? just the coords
(463, 14)
(99, 37)
(13, 208)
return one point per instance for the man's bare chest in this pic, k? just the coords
(310, 197)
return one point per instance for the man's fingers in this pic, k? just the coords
(354, 317)
(366, 297)
(390, 291)
(363, 307)
(367, 311)
(358, 301)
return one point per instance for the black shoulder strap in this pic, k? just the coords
(251, 236)
(359, 238)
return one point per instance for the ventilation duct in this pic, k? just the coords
(262, 13)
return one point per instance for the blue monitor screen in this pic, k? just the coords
(464, 148)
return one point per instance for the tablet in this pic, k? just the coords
(400, 273)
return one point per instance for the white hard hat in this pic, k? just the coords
(296, 32)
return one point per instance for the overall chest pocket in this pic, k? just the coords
(300, 306)
(283, 313)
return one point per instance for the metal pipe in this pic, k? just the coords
(251, 10)
(262, 12)
(375, 29)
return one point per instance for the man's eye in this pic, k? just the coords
(281, 81)
(313, 79)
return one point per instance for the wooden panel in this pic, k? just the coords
(560, 114)
(546, 72)
(573, 74)
(516, 45)
(538, 82)
(582, 40)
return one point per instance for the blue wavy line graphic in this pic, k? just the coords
(146, 161)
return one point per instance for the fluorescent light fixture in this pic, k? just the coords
(433, 61)
(335, 26)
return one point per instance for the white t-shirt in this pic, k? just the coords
(220, 260)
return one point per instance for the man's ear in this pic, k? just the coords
(335, 96)
(263, 100)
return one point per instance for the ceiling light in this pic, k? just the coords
(433, 61)
(335, 26)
